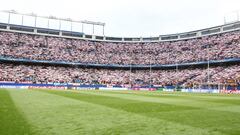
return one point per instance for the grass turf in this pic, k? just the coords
(12, 121)
(43, 112)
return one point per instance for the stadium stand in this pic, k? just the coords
(56, 74)
(35, 47)
(17, 45)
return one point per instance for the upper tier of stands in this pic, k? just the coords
(38, 47)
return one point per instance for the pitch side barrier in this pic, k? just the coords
(51, 86)
(72, 86)
(31, 86)
(54, 86)
(201, 90)
(230, 91)
(233, 91)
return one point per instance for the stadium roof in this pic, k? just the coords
(135, 18)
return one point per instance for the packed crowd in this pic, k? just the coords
(36, 47)
(54, 74)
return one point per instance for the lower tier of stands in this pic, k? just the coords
(189, 77)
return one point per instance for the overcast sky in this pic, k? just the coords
(134, 18)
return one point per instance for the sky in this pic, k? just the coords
(129, 18)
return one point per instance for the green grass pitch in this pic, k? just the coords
(52, 112)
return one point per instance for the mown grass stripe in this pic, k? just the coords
(118, 102)
(56, 114)
(191, 100)
(12, 121)
(176, 95)
(213, 120)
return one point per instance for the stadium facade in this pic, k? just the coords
(80, 35)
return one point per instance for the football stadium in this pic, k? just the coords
(56, 80)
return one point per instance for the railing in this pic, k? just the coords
(154, 66)
(161, 38)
